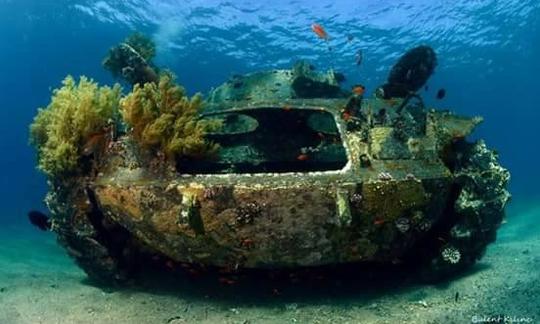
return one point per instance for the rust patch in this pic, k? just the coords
(125, 201)
(388, 200)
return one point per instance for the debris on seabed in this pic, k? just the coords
(423, 303)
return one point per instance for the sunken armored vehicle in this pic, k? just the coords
(305, 175)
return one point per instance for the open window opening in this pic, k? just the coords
(270, 140)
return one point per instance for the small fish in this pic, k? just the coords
(286, 107)
(456, 297)
(40, 220)
(94, 144)
(319, 277)
(359, 57)
(378, 222)
(350, 38)
(319, 31)
(346, 116)
(226, 281)
(194, 273)
(276, 292)
(169, 264)
(358, 90)
(441, 93)
(247, 243)
(302, 157)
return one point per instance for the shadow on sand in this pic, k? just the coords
(340, 284)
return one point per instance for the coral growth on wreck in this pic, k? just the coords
(451, 254)
(163, 117)
(76, 113)
(142, 44)
(132, 60)
(74, 124)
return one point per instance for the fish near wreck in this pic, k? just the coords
(288, 184)
(319, 31)
(39, 220)
(410, 73)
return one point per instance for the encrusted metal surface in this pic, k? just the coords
(284, 219)
(409, 189)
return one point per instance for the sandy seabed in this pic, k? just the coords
(40, 284)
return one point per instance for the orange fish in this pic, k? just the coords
(319, 30)
(95, 144)
(358, 90)
(302, 157)
(194, 272)
(346, 116)
(247, 243)
(378, 222)
(286, 107)
(169, 264)
(226, 281)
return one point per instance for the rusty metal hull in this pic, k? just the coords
(426, 197)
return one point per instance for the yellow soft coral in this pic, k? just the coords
(163, 117)
(76, 112)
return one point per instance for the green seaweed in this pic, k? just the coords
(77, 112)
(163, 117)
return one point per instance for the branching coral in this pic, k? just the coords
(163, 117)
(77, 112)
(132, 60)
